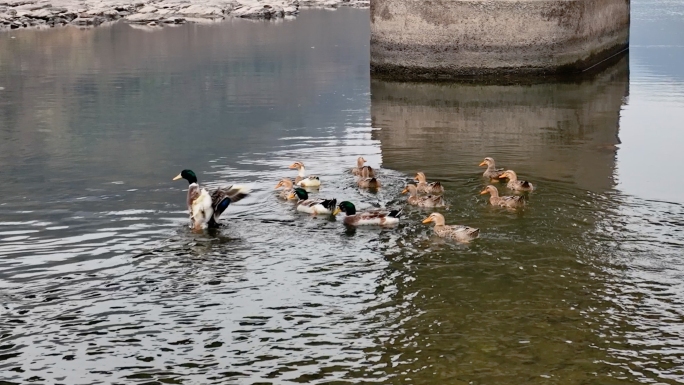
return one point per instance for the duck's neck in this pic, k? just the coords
(302, 172)
(512, 177)
(491, 166)
(359, 163)
(494, 193)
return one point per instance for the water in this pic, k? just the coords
(101, 281)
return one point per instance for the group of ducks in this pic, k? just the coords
(206, 207)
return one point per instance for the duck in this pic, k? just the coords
(360, 167)
(312, 206)
(366, 181)
(374, 217)
(422, 201)
(434, 188)
(287, 185)
(302, 179)
(504, 201)
(456, 232)
(206, 207)
(491, 172)
(514, 183)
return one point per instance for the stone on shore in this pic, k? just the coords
(30, 13)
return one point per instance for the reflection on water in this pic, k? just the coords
(101, 281)
(556, 132)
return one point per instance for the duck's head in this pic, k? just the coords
(420, 177)
(188, 175)
(300, 193)
(361, 161)
(490, 190)
(489, 162)
(437, 218)
(410, 188)
(297, 165)
(286, 183)
(345, 207)
(510, 174)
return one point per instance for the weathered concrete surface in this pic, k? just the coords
(50, 13)
(551, 131)
(451, 38)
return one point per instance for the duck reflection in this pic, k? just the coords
(551, 131)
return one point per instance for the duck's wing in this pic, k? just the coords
(436, 199)
(193, 193)
(513, 200)
(221, 198)
(466, 231)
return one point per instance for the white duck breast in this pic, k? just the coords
(202, 209)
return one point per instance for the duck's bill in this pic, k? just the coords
(278, 185)
(502, 176)
(404, 191)
(483, 192)
(427, 220)
(336, 211)
(178, 177)
(291, 196)
(483, 164)
(293, 165)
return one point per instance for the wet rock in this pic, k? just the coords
(25, 13)
(143, 18)
(147, 9)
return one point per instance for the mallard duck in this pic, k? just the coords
(514, 183)
(434, 188)
(366, 181)
(304, 180)
(206, 207)
(423, 201)
(457, 232)
(312, 206)
(287, 185)
(504, 201)
(491, 172)
(360, 167)
(374, 217)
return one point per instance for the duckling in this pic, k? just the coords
(504, 201)
(434, 188)
(366, 181)
(491, 172)
(359, 168)
(302, 179)
(206, 207)
(287, 185)
(456, 232)
(423, 201)
(312, 206)
(514, 183)
(374, 217)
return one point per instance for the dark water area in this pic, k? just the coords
(102, 281)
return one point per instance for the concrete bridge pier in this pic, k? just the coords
(442, 39)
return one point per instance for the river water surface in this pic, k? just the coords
(101, 281)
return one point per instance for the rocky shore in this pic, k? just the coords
(53, 13)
